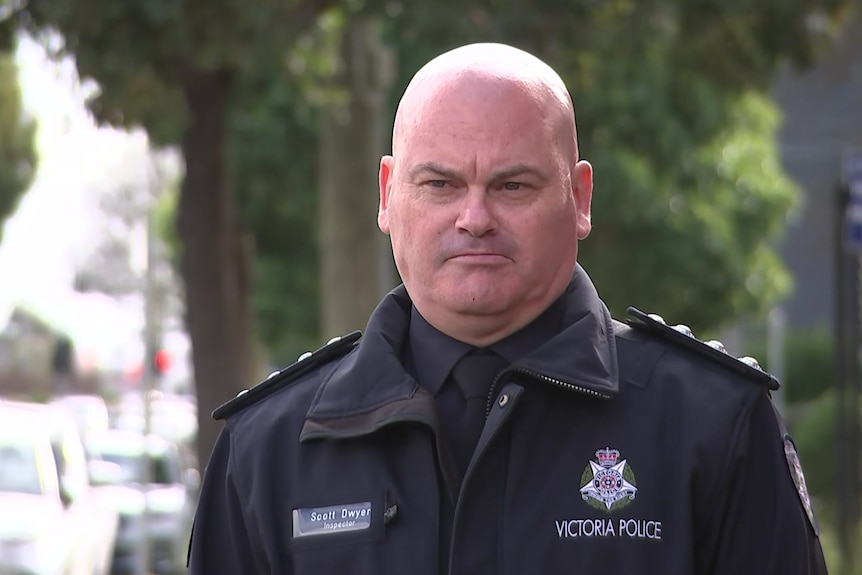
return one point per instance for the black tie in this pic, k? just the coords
(474, 373)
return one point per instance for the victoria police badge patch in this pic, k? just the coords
(799, 480)
(608, 483)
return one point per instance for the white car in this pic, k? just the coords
(90, 411)
(173, 417)
(157, 499)
(51, 521)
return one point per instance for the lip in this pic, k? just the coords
(480, 258)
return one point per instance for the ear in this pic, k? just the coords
(387, 165)
(582, 189)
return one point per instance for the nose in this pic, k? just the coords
(475, 216)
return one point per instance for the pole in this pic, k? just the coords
(151, 345)
(850, 346)
(775, 352)
(854, 373)
(841, 376)
(149, 384)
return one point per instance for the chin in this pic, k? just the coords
(489, 300)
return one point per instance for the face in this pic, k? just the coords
(484, 202)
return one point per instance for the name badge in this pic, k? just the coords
(332, 519)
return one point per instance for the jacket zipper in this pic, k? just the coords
(479, 451)
(535, 375)
(489, 404)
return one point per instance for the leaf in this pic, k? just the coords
(17, 140)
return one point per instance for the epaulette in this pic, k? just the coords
(309, 360)
(713, 349)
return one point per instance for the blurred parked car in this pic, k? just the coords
(173, 417)
(90, 411)
(156, 499)
(51, 521)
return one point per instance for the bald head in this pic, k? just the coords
(484, 198)
(460, 73)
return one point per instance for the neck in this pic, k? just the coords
(482, 330)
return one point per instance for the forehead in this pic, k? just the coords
(481, 119)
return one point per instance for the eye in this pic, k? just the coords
(436, 183)
(512, 186)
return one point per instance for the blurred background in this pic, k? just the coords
(188, 191)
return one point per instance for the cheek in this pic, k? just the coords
(412, 246)
(415, 228)
(550, 236)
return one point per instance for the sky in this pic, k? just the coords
(57, 222)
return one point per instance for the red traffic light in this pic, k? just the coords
(162, 361)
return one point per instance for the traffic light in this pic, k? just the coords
(161, 361)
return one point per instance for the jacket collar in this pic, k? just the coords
(370, 387)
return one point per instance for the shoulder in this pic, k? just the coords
(301, 376)
(650, 349)
(693, 385)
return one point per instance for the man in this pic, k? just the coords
(494, 418)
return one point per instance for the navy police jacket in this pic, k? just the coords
(613, 448)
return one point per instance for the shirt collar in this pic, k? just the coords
(433, 354)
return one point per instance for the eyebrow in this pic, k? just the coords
(499, 175)
(518, 170)
(432, 168)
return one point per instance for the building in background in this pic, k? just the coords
(822, 109)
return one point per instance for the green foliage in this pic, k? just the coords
(689, 197)
(273, 146)
(832, 549)
(274, 149)
(313, 63)
(693, 237)
(7, 32)
(809, 364)
(164, 216)
(814, 430)
(144, 53)
(684, 150)
(17, 140)
(815, 436)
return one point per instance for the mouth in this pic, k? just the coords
(480, 258)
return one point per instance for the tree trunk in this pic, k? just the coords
(214, 264)
(355, 269)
